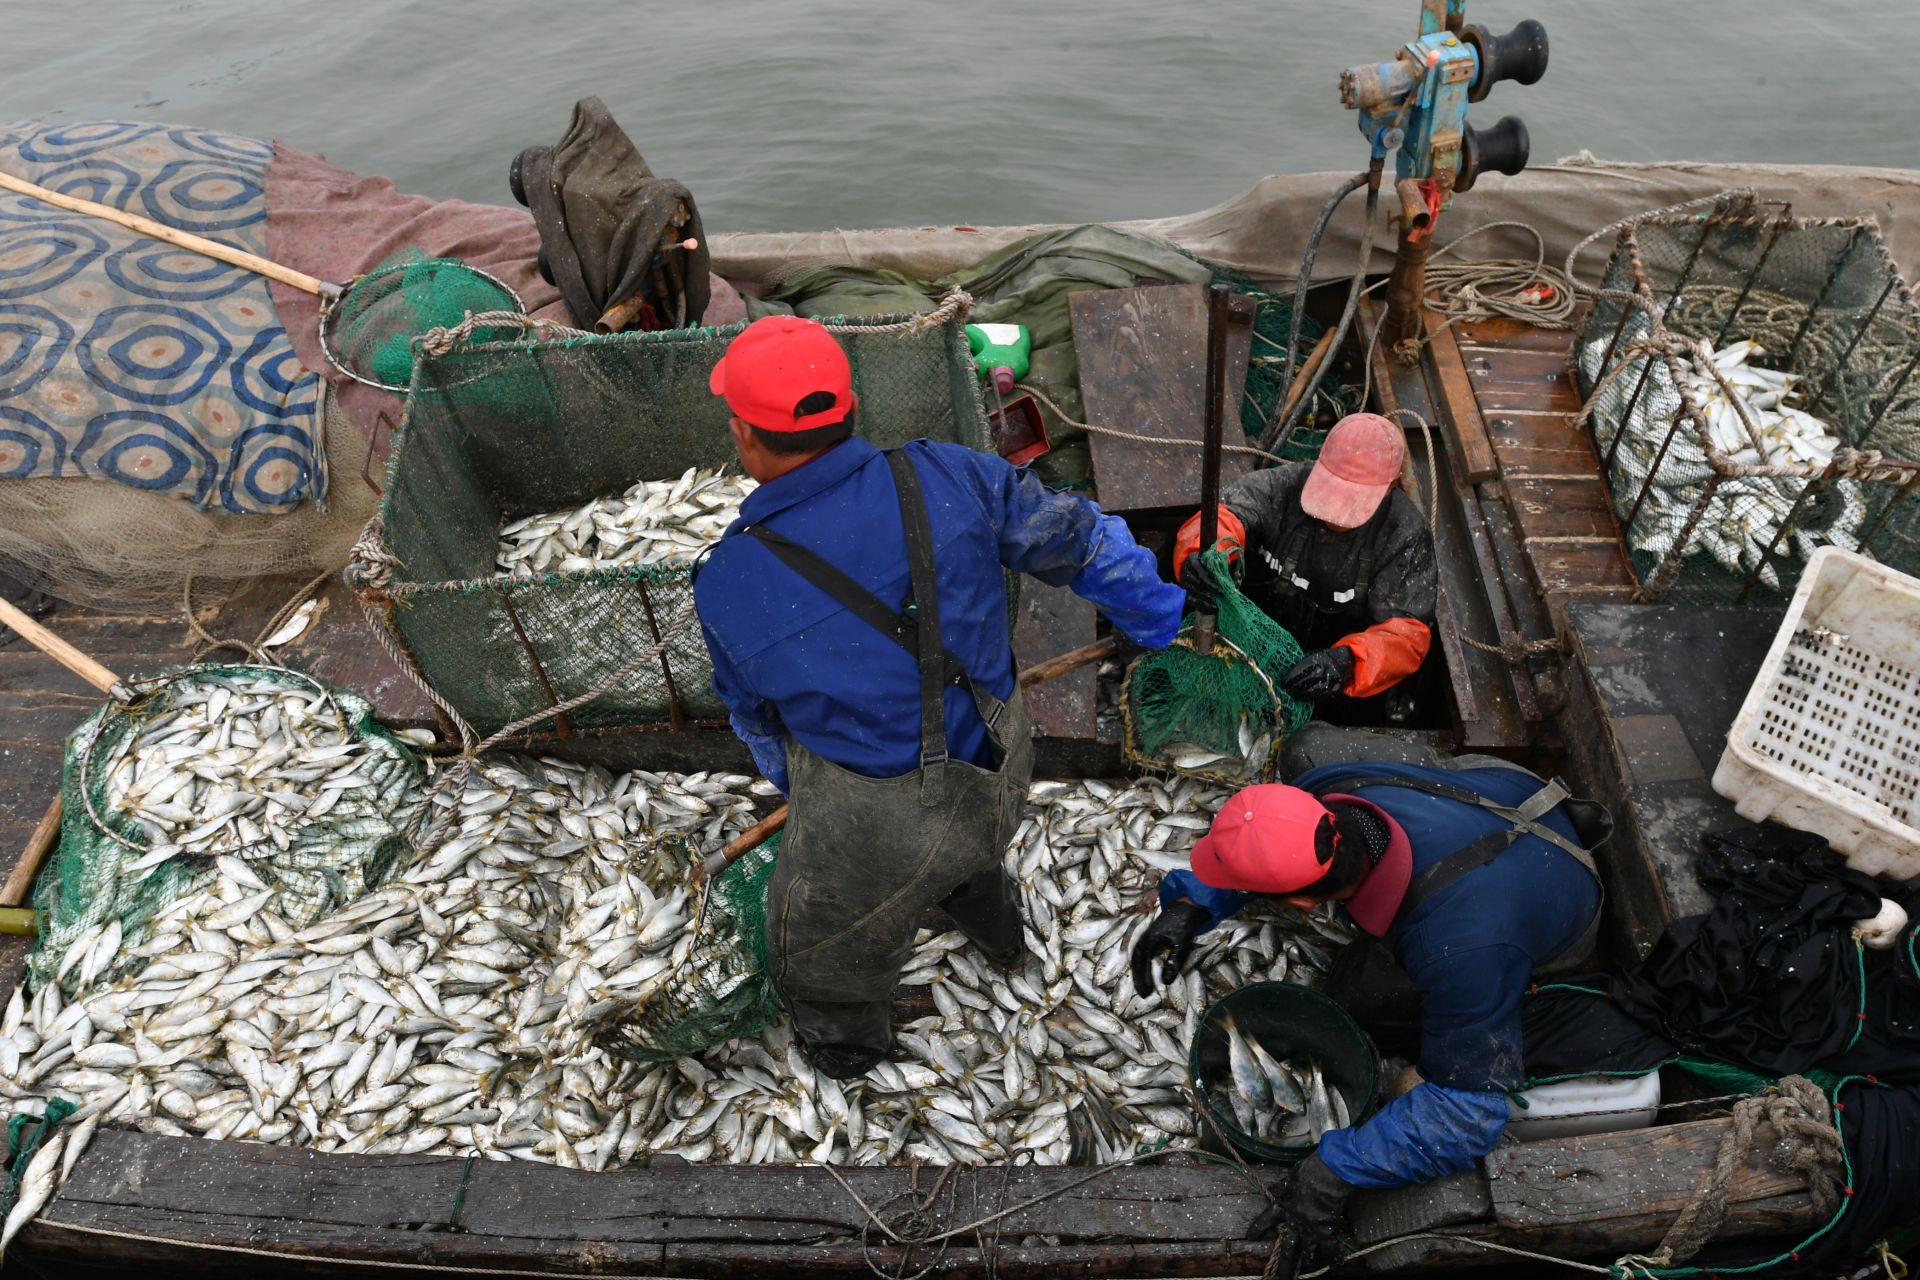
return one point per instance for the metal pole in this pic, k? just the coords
(1846, 357)
(1218, 298)
(1766, 251)
(1833, 277)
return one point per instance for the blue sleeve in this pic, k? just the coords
(753, 718)
(769, 753)
(1426, 1133)
(1065, 541)
(1219, 904)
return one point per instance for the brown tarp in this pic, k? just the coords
(328, 222)
(1263, 231)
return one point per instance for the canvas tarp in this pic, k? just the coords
(1263, 231)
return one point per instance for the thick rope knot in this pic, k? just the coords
(438, 342)
(369, 563)
(1809, 1145)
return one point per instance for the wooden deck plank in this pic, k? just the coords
(1466, 432)
(1143, 366)
(1559, 509)
(1506, 334)
(1515, 379)
(1541, 444)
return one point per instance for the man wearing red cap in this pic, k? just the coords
(1464, 878)
(1337, 555)
(856, 614)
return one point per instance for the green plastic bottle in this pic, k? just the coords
(1000, 352)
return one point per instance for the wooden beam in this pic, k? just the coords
(1460, 411)
(1143, 369)
(686, 1220)
(187, 1205)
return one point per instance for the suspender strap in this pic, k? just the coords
(1290, 559)
(923, 606)
(918, 629)
(856, 599)
(1363, 572)
(1523, 817)
(1468, 857)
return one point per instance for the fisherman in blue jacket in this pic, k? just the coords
(1473, 873)
(856, 615)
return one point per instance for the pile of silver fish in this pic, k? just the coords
(459, 1008)
(256, 777)
(656, 522)
(1272, 1099)
(1745, 413)
(235, 764)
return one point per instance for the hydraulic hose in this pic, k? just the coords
(1277, 438)
(1300, 286)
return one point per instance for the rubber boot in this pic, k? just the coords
(984, 910)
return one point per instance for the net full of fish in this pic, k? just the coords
(461, 1008)
(255, 777)
(1749, 417)
(1277, 1099)
(656, 522)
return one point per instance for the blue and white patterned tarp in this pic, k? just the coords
(125, 358)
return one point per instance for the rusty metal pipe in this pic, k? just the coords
(1413, 206)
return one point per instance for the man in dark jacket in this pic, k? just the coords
(1335, 553)
(1473, 873)
(856, 615)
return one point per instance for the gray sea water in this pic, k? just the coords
(804, 114)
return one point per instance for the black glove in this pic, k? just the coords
(1320, 674)
(1172, 931)
(1203, 589)
(1312, 1200)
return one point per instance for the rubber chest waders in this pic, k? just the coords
(864, 857)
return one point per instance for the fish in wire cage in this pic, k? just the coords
(1746, 413)
(666, 523)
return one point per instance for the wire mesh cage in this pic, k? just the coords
(1750, 381)
(546, 422)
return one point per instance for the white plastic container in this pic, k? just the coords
(1828, 740)
(1589, 1104)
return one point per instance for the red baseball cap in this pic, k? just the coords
(774, 364)
(1265, 839)
(1359, 462)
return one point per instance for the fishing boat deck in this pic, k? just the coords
(1529, 553)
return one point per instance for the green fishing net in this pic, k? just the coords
(90, 880)
(1272, 319)
(722, 991)
(497, 430)
(370, 330)
(1221, 715)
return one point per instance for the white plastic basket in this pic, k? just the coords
(1828, 740)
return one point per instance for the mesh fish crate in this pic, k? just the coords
(497, 430)
(1724, 485)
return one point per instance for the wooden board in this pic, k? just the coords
(674, 1219)
(1607, 1189)
(1143, 368)
(1054, 621)
(1460, 417)
(179, 1206)
(1489, 712)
